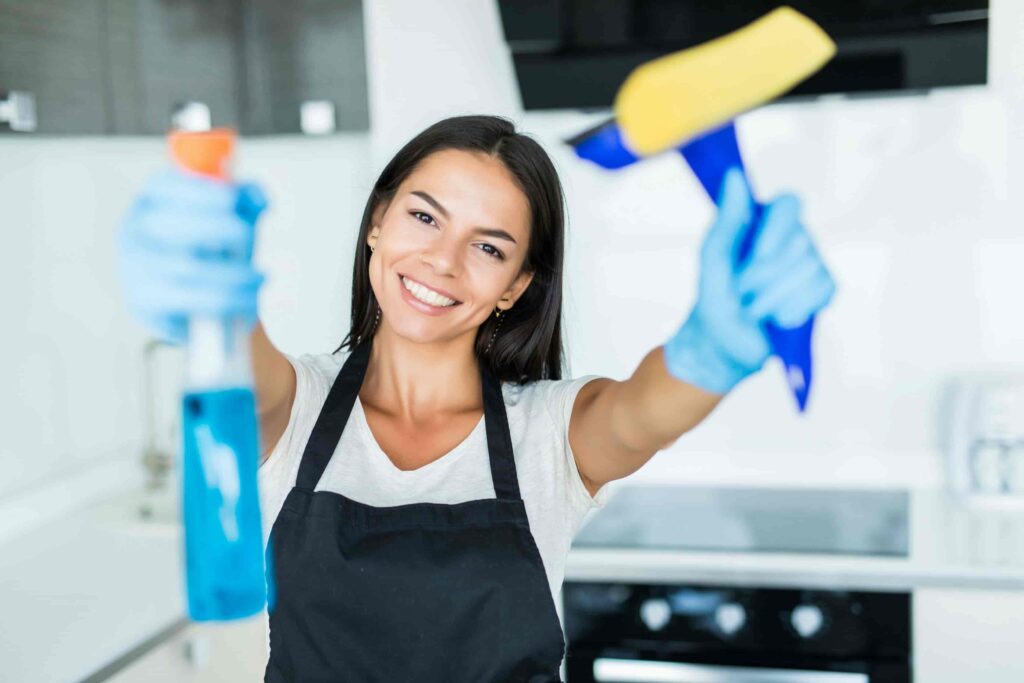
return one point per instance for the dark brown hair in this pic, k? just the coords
(528, 345)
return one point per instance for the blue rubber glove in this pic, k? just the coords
(783, 280)
(185, 247)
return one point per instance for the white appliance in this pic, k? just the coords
(983, 426)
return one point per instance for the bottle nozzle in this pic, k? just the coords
(206, 152)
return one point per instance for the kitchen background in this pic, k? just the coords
(911, 199)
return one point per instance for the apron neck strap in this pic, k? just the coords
(499, 439)
(330, 424)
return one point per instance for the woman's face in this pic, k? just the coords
(458, 223)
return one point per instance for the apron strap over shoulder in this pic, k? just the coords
(330, 424)
(332, 419)
(499, 439)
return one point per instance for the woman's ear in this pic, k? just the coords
(376, 219)
(378, 214)
(375, 225)
(519, 286)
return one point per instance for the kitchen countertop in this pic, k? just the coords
(80, 591)
(951, 544)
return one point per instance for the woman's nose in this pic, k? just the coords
(442, 255)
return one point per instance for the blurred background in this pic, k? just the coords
(908, 152)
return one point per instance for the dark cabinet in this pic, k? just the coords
(122, 67)
(303, 51)
(54, 49)
(166, 52)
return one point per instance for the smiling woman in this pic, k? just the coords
(427, 539)
(470, 187)
(458, 451)
(450, 257)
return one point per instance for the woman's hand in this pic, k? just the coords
(784, 280)
(185, 248)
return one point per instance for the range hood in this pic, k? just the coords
(574, 54)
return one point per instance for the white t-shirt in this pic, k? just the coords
(554, 496)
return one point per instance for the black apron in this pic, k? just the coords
(420, 592)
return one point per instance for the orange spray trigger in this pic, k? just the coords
(206, 152)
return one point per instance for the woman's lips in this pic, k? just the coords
(421, 306)
(433, 289)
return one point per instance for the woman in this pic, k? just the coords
(425, 480)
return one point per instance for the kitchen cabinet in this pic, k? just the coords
(54, 49)
(298, 52)
(968, 635)
(123, 68)
(161, 54)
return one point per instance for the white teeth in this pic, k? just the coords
(425, 295)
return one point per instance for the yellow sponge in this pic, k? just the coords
(669, 100)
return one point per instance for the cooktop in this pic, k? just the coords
(820, 521)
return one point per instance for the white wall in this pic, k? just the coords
(70, 359)
(429, 60)
(911, 201)
(905, 200)
(908, 199)
(71, 356)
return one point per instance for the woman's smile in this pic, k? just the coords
(422, 296)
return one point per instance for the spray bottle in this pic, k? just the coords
(224, 560)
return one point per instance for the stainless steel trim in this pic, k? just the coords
(18, 110)
(962, 16)
(191, 116)
(609, 670)
(137, 652)
(157, 462)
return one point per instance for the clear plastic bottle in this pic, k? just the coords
(224, 560)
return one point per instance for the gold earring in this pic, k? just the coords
(497, 314)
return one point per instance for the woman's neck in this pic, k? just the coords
(414, 382)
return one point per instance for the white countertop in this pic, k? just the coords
(951, 544)
(79, 591)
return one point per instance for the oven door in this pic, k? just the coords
(609, 670)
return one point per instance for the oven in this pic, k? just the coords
(646, 633)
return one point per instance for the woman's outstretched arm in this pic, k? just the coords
(616, 427)
(274, 378)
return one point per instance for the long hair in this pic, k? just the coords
(528, 346)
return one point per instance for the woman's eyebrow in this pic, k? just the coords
(490, 232)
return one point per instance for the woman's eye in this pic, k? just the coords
(417, 214)
(495, 253)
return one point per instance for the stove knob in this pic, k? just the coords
(655, 613)
(807, 620)
(730, 618)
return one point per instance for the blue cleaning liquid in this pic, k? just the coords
(224, 562)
